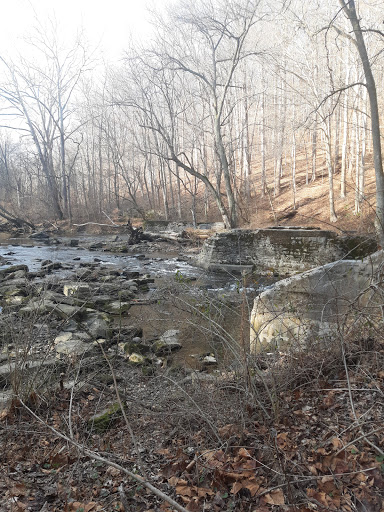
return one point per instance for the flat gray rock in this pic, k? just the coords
(167, 343)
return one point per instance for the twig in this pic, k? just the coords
(130, 430)
(109, 218)
(71, 403)
(363, 436)
(95, 456)
(98, 224)
(313, 477)
(123, 497)
(279, 473)
(371, 390)
(204, 416)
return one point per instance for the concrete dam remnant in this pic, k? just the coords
(320, 305)
(282, 251)
(318, 298)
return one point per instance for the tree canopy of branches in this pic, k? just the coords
(226, 107)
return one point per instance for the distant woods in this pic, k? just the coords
(203, 121)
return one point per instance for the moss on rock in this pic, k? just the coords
(104, 420)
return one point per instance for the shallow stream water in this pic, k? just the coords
(159, 265)
(203, 305)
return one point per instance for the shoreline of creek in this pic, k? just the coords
(145, 303)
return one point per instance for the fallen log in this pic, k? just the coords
(15, 221)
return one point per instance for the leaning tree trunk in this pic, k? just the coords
(16, 221)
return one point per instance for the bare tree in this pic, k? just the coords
(200, 45)
(37, 94)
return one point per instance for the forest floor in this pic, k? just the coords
(308, 436)
(309, 206)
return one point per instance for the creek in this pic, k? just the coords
(161, 265)
(206, 307)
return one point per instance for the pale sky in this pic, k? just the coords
(107, 23)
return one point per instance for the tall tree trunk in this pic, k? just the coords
(314, 150)
(164, 190)
(101, 174)
(246, 152)
(328, 157)
(337, 139)
(179, 212)
(360, 167)
(282, 108)
(350, 11)
(357, 156)
(293, 158)
(231, 217)
(145, 179)
(345, 134)
(262, 147)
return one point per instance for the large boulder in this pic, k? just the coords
(13, 295)
(65, 336)
(102, 421)
(13, 271)
(15, 299)
(38, 306)
(80, 290)
(97, 325)
(117, 307)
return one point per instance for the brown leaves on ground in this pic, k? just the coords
(312, 458)
(316, 458)
(275, 497)
(76, 506)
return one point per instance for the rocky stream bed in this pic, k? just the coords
(97, 338)
(78, 299)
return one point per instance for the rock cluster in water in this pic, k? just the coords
(47, 322)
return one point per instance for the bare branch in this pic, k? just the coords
(95, 456)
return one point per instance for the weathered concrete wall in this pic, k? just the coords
(317, 303)
(281, 251)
